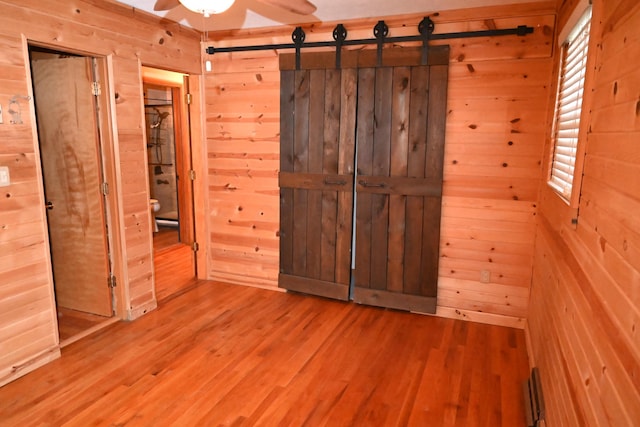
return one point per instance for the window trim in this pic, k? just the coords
(565, 174)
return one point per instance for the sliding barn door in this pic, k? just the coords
(400, 145)
(393, 117)
(318, 109)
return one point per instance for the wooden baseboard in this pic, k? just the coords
(133, 314)
(18, 370)
(479, 317)
(447, 312)
(244, 280)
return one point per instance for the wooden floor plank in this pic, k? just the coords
(72, 322)
(174, 272)
(219, 354)
(174, 263)
(165, 237)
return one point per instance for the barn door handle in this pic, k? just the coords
(370, 185)
(328, 181)
(49, 205)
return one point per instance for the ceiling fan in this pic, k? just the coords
(208, 7)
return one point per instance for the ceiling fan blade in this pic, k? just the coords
(300, 7)
(165, 4)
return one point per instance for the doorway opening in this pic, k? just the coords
(170, 173)
(160, 121)
(71, 121)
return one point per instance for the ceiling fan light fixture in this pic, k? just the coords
(207, 7)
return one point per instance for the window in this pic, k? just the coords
(566, 122)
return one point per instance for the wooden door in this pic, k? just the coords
(71, 164)
(316, 180)
(400, 140)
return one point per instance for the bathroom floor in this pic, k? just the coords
(165, 237)
(174, 271)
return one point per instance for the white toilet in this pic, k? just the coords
(154, 204)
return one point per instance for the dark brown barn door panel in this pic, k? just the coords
(317, 110)
(393, 117)
(400, 140)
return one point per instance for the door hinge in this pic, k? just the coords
(192, 175)
(111, 282)
(195, 247)
(105, 188)
(95, 89)
(188, 98)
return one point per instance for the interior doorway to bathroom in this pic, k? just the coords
(163, 140)
(169, 166)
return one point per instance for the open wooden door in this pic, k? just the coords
(72, 172)
(316, 180)
(400, 140)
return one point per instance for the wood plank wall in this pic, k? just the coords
(585, 303)
(28, 331)
(496, 129)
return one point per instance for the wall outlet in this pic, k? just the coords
(485, 276)
(5, 180)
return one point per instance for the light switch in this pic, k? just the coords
(4, 176)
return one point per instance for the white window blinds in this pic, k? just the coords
(569, 106)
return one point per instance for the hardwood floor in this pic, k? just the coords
(174, 264)
(218, 354)
(73, 324)
(175, 271)
(165, 238)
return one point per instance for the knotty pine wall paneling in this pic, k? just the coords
(242, 107)
(496, 128)
(584, 313)
(127, 38)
